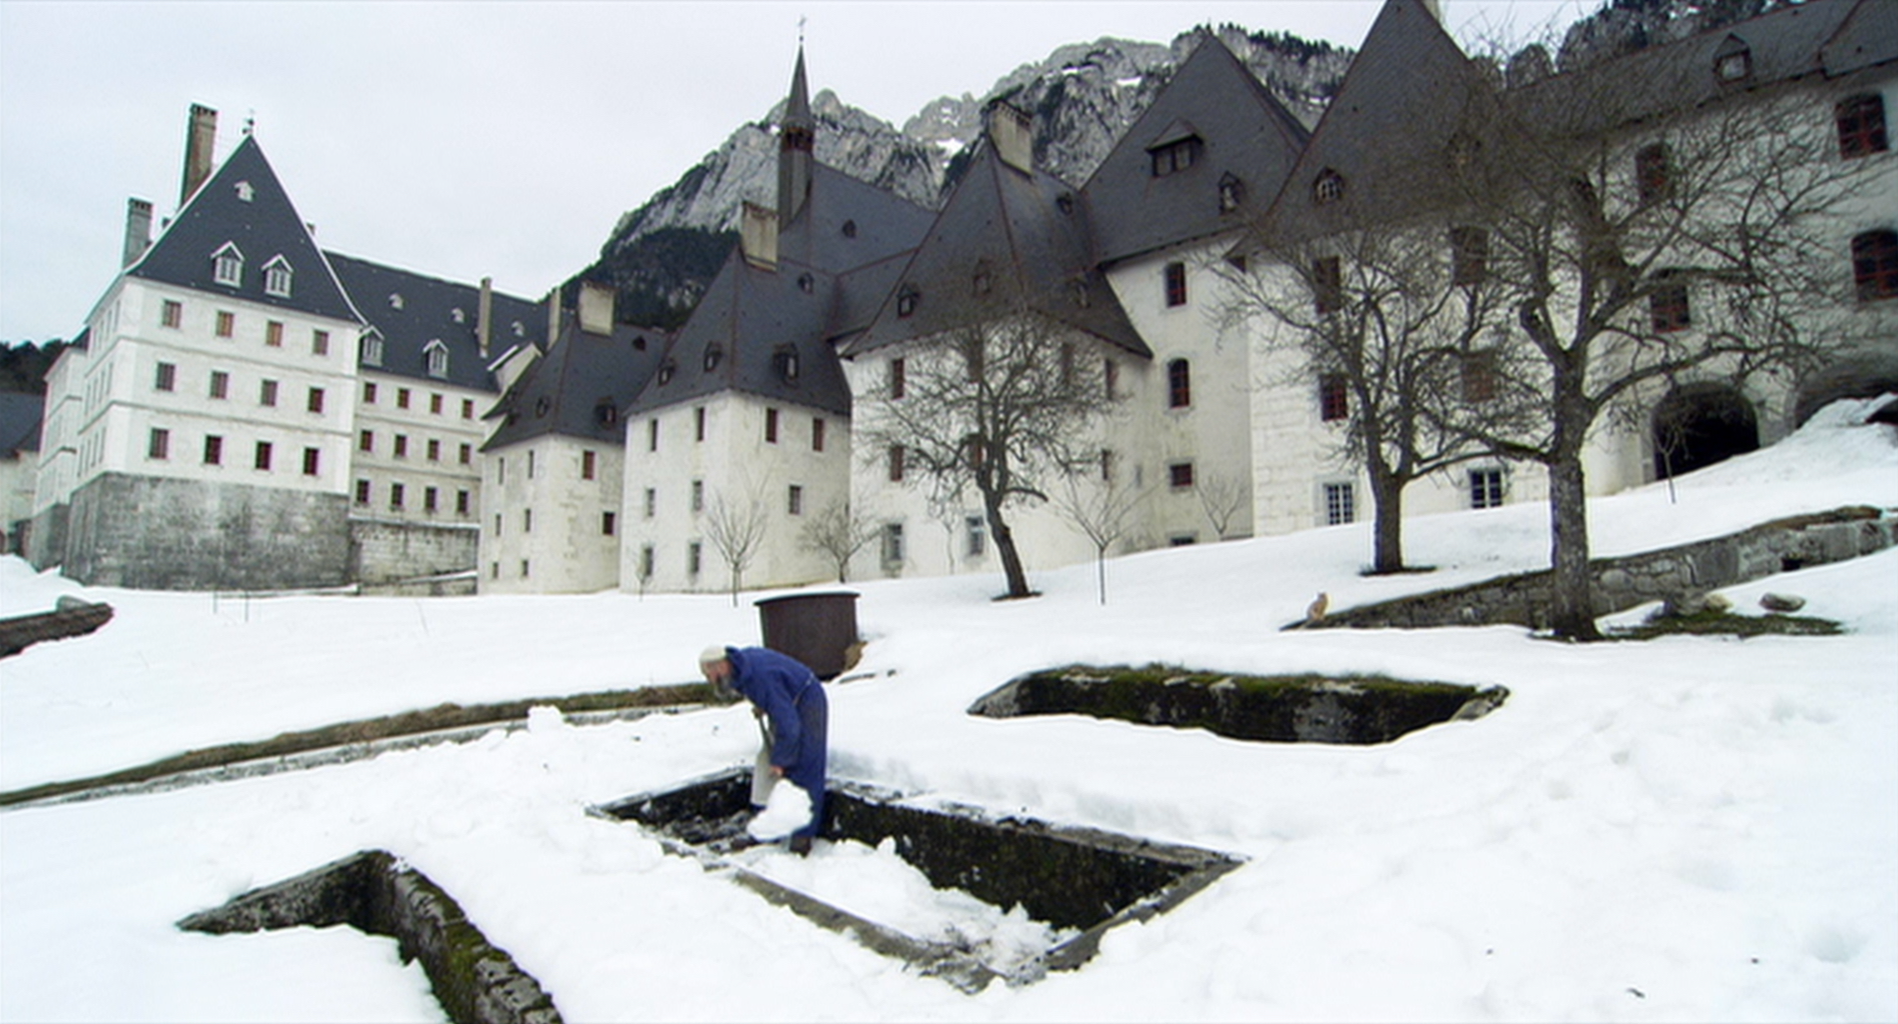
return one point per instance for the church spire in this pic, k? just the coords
(795, 136)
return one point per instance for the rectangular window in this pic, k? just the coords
(898, 381)
(434, 450)
(693, 555)
(530, 463)
(607, 522)
(698, 424)
(166, 378)
(896, 463)
(467, 408)
(523, 568)
(362, 492)
(401, 398)
(652, 434)
(1486, 488)
(893, 544)
(173, 315)
(316, 400)
(527, 520)
(213, 450)
(1875, 265)
(652, 502)
(267, 393)
(1334, 398)
(1861, 122)
(1469, 255)
(312, 461)
(465, 455)
(401, 446)
(273, 333)
(428, 499)
(1179, 384)
(1179, 475)
(368, 392)
(586, 465)
(159, 447)
(1478, 372)
(976, 534)
(320, 343)
(795, 500)
(1327, 284)
(1110, 379)
(1176, 284)
(461, 502)
(1652, 182)
(435, 404)
(698, 495)
(220, 384)
(500, 471)
(396, 495)
(226, 324)
(645, 562)
(1340, 504)
(817, 434)
(770, 426)
(497, 524)
(366, 441)
(263, 456)
(1667, 307)
(1107, 465)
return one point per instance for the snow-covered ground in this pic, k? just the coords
(1693, 828)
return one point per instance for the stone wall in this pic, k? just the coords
(154, 533)
(45, 540)
(383, 552)
(1784, 545)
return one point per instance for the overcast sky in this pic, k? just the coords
(500, 138)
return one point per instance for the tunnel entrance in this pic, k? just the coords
(1698, 425)
(1082, 882)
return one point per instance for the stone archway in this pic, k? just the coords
(1697, 425)
(1861, 376)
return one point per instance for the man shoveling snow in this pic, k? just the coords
(791, 702)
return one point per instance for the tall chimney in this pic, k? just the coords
(596, 307)
(484, 317)
(1012, 134)
(199, 140)
(138, 230)
(758, 236)
(553, 316)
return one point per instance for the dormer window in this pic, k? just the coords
(784, 361)
(277, 277)
(1462, 150)
(713, 354)
(1232, 192)
(370, 351)
(1065, 203)
(806, 284)
(606, 413)
(983, 280)
(1733, 61)
(520, 329)
(457, 315)
(1077, 290)
(395, 300)
(906, 300)
(1328, 188)
(227, 265)
(245, 191)
(542, 406)
(666, 370)
(436, 354)
(1174, 156)
(850, 229)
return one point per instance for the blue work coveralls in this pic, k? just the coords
(792, 698)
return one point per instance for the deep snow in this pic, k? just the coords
(1692, 828)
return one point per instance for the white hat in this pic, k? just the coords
(712, 654)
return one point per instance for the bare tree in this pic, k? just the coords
(838, 533)
(1102, 510)
(1637, 239)
(1000, 409)
(736, 527)
(1387, 323)
(1222, 498)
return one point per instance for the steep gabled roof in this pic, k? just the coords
(410, 311)
(243, 205)
(1006, 242)
(1868, 38)
(1386, 136)
(20, 415)
(1243, 137)
(580, 387)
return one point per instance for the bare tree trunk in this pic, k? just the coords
(1005, 546)
(1571, 597)
(1387, 527)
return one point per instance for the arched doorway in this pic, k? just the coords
(1867, 375)
(1698, 425)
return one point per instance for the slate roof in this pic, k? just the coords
(411, 310)
(1028, 236)
(1244, 134)
(579, 387)
(20, 416)
(1387, 133)
(835, 260)
(263, 226)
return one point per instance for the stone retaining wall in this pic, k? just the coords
(1783, 545)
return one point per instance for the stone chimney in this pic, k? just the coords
(138, 230)
(758, 236)
(596, 307)
(484, 317)
(200, 138)
(1012, 133)
(553, 316)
